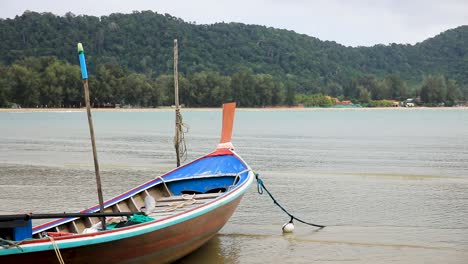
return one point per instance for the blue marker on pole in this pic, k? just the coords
(84, 72)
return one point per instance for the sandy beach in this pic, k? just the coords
(166, 109)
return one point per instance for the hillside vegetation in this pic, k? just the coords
(130, 59)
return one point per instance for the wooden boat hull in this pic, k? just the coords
(164, 246)
(172, 235)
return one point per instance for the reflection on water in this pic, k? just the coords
(391, 186)
(347, 245)
(214, 252)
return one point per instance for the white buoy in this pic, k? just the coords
(288, 227)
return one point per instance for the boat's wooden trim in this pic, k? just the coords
(165, 207)
(134, 204)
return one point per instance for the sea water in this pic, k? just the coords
(391, 185)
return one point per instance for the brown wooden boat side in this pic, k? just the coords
(161, 246)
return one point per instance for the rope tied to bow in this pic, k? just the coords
(261, 187)
(57, 250)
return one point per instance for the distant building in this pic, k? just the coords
(345, 102)
(409, 102)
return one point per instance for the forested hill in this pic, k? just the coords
(142, 42)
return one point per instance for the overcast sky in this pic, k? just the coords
(349, 22)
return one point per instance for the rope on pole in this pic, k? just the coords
(179, 139)
(180, 127)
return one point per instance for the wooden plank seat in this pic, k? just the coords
(171, 205)
(165, 206)
(188, 196)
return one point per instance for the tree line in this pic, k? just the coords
(50, 82)
(142, 42)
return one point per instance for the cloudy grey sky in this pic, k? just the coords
(349, 22)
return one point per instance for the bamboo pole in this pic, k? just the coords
(177, 110)
(26, 217)
(84, 75)
(176, 75)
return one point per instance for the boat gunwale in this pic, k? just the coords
(132, 192)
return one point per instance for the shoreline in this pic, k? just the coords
(168, 109)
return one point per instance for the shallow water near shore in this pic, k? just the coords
(391, 186)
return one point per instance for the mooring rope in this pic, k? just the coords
(11, 243)
(57, 250)
(261, 187)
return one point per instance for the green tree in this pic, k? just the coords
(433, 90)
(165, 86)
(139, 91)
(314, 100)
(24, 85)
(263, 90)
(364, 95)
(72, 86)
(53, 82)
(108, 87)
(290, 84)
(242, 84)
(380, 103)
(278, 96)
(453, 93)
(5, 96)
(376, 88)
(334, 89)
(219, 89)
(396, 87)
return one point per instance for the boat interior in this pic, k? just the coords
(170, 198)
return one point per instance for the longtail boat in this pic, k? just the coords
(181, 210)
